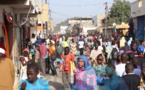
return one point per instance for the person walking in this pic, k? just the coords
(33, 82)
(132, 80)
(24, 61)
(59, 49)
(73, 47)
(43, 53)
(66, 68)
(7, 71)
(100, 70)
(52, 56)
(84, 75)
(120, 68)
(94, 53)
(81, 46)
(114, 82)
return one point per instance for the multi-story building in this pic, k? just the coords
(44, 24)
(138, 15)
(98, 20)
(84, 24)
(82, 21)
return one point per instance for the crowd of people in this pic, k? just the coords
(87, 62)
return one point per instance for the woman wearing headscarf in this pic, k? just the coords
(113, 81)
(84, 75)
(100, 70)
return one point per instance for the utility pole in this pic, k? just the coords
(106, 14)
(50, 19)
(45, 1)
(46, 22)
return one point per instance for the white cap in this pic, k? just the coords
(2, 51)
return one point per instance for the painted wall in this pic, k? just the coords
(44, 16)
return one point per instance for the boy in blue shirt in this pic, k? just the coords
(33, 82)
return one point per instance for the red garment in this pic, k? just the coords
(66, 64)
(93, 38)
(43, 50)
(2, 46)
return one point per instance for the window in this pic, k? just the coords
(140, 3)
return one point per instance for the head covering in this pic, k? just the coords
(2, 51)
(109, 70)
(140, 49)
(26, 50)
(84, 58)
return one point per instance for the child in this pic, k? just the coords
(24, 61)
(33, 82)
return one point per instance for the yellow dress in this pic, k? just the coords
(7, 74)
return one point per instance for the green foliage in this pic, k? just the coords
(119, 12)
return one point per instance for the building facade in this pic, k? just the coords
(18, 19)
(138, 15)
(81, 25)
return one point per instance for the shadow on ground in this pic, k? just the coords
(56, 85)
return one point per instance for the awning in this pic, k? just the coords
(125, 26)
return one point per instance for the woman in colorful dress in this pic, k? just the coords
(84, 75)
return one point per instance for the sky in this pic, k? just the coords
(63, 9)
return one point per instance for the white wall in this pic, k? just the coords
(85, 29)
(136, 10)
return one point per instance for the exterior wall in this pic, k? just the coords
(82, 22)
(99, 20)
(86, 29)
(44, 16)
(136, 9)
(16, 36)
(9, 26)
(7, 8)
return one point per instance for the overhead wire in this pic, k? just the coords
(99, 5)
(80, 5)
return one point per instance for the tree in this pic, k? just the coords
(119, 12)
